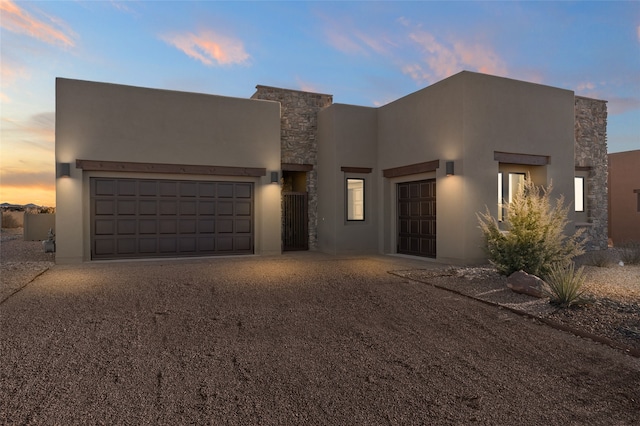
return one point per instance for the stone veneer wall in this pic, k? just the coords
(298, 137)
(591, 153)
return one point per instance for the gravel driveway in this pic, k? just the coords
(298, 339)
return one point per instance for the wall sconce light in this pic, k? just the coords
(449, 168)
(64, 170)
(274, 177)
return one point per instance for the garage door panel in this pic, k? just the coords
(126, 207)
(168, 208)
(148, 188)
(158, 218)
(104, 227)
(104, 247)
(225, 208)
(187, 207)
(105, 187)
(127, 187)
(187, 226)
(168, 189)
(104, 207)
(126, 245)
(242, 208)
(126, 227)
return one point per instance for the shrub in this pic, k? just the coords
(534, 239)
(630, 253)
(8, 221)
(564, 285)
(599, 258)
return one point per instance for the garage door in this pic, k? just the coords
(138, 218)
(417, 218)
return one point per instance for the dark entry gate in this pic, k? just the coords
(295, 226)
(417, 218)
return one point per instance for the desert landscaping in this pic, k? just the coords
(308, 338)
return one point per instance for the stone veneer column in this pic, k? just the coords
(298, 137)
(591, 153)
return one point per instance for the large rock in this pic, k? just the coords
(524, 283)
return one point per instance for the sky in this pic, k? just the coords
(364, 53)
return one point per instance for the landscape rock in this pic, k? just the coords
(521, 282)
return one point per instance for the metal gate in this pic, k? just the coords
(295, 221)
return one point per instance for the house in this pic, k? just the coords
(624, 197)
(155, 173)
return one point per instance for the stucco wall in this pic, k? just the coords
(465, 119)
(99, 121)
(298, 137)
(347, 138)
(624, 181)
(591, 156)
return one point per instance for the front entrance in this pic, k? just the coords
(417, 218)
(295, 211)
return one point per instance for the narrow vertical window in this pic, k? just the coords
(500, 198)
(578, 182)
(516, 182)
(355, 199)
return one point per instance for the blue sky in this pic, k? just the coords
(364, 53)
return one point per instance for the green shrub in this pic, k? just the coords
(534, 239)
(564, 285)
(630, 253)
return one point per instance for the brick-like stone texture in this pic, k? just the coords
(591, 152)
(298, 137)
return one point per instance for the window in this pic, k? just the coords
(515, 181)
(355, 199)
(578, 182)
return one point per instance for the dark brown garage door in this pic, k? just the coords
(417, 218)
(136, 218)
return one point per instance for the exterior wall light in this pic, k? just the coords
(449, 168)
(64, 170)
(274, 177)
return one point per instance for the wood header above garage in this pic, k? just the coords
(412, 169)
(180, 169)
(526, 159)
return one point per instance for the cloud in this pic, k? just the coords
(346, 38)
(585, 86)
(18, 20)
(39, 127)
(444, 59)
(12, 178)
(209, 47)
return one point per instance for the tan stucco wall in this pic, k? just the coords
(346, 138)
(99, 121)
(464, 119)
(37, 226)
(624, 179)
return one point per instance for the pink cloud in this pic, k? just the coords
(209, 47)
(445, 59)
(18, 20)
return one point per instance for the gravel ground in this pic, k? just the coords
(297, 339)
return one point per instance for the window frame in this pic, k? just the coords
(348, 200)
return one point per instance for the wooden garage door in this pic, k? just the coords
(136, 218)
(417, 218)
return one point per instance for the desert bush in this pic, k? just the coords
(534, 239)
(564, 284)
(599, 258)
(630, 252)
(8, 221)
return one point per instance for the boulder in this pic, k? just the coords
(521, 282)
